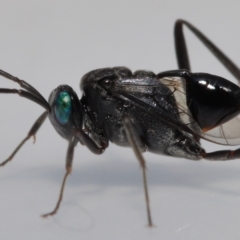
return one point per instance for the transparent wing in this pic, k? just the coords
(149, 96)
(226, 134)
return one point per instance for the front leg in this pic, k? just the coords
(78, 135)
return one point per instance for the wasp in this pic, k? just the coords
(165, 113)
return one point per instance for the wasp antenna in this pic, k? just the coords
(34, 93)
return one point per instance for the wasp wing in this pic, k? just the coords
(165, 99)
(226, 134)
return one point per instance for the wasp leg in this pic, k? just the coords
(86, 140)
(135, 143)
(223, 155)
(182, 54)
(69, 159)
(30, 134)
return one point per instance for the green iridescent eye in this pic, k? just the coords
(63, 107)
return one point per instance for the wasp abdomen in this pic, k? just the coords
(212, 100)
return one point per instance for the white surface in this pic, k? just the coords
(49, 43)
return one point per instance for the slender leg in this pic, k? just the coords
(69, 160)
(79, 134)
(89, 143)
(31, 133)
(223, 155)
(135, 144)
(181, 49)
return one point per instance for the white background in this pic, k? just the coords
(49, 43)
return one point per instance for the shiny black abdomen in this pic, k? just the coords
(212, 100)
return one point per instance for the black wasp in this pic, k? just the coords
(167, 113)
